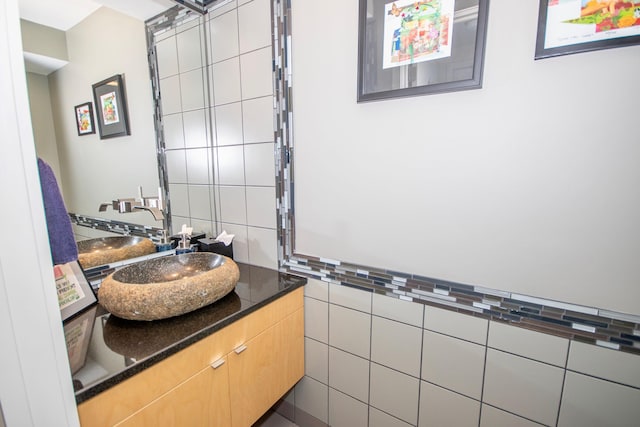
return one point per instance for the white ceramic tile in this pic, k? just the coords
(233, 207)
(396, 345)
(222, 8)
(230, 165)
(173, 132)
(224, 36)
(534, 345)
(198, 161)
(345, 411)
(261, 207)
(494, 417)
(229, 124)
(195, 128)
(202, 226)
(256, 73)
(241, 2)
(192, 90)
(453, 363)
(259, 161)
(397, 309)
(170, 95)
(240, 241)
(349, 330)
(257, 120)
(317, 289)
(455, 324)
(189, 50)
(605, 363)
(312, 397)
(377, 418)
(179, 199)
(263, 249)
(591, 402)
(176, 167)
(349, 374)
(167, 57)
(316, 320)
(441, 407)
(350, 297)
(199, 203)
(316, 360)
(394, 393)
(524, 387)
(176, 225)
(254, 20)
(226, 81)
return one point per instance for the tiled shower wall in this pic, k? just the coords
(377, 361)
(216, 91)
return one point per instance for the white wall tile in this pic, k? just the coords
(259, 163)
(226, 81)
(263, 250)
(534, 345)
(202, 226)
(441, 407)
(233, 208)
(195, 128)
(317, 289)
(170, 95)
(229, 124)
(256, 73)
(254, 20)
(396, 345)
(312, 397)
(494, 417)
(397, 309)
(316, 320)
(224, 8)
(394, 393)
(198, 165)
(179, 200)
(167, 57)
(199, 203)
(453, 363)
(605, 363)
(455, 324)
(261, 207)
(591, 402)
(258, 120)
(316, 360)
(192, 90)
(345, 411)
(176, 167)
(224, 36)
(377, 418)
(350, 297)
(189, 50)
(349, 374)
(173, 131)
(522, 386)
(230, 165)
(240, 241)
(349, 330)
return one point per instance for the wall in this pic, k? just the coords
(527, 185)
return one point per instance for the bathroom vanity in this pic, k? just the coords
(222, 365)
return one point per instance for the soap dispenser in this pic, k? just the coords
(184, 245)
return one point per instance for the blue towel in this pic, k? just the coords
(63, 244)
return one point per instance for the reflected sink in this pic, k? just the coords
(168, 286)
(105, 250)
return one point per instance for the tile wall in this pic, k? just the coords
(216, 99)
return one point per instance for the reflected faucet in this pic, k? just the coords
(155, 205)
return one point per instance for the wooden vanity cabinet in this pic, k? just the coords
(229, 378)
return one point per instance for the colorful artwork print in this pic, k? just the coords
(83, 116)
(580, 21)
(109, 103)
(417, 31)
(67, 285)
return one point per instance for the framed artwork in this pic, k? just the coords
(74, 291)
(111, 107)
(409, 48)
(572, 26)
(84, 119)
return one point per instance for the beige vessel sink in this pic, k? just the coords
(105, 250)
(168, 286)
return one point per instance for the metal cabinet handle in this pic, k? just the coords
(240, 349)
(217, 363)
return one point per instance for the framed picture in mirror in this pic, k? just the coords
(409, 48)
(73, 289)
(84, 119)
(109, 96)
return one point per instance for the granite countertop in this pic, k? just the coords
(104, 350)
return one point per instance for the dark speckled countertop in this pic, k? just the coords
(105, 350)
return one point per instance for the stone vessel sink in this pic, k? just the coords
(168, 286)
(105, 250)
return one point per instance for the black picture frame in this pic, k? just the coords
(554, 37)
(74, 290)
(110, 98)
(385, 75)
(85, 123)
(77, 333)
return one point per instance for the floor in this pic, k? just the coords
(273, 419)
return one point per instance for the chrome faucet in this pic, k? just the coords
(155, 205)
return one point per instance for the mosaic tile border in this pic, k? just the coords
(118, 227)
(617, 331)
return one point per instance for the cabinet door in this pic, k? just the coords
(262, 370)
(202, 400)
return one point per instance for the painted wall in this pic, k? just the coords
(527, 185)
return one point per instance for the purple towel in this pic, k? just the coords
(61, 239)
